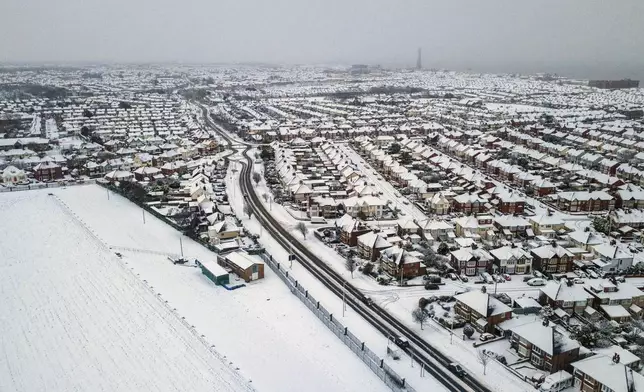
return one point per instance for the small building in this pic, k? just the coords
(244, 265)
(615, 313)
(214, 272)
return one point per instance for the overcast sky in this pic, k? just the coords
(599, 36)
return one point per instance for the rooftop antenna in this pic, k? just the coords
(419, 64)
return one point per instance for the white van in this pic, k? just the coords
(557, 382)
(537, 282)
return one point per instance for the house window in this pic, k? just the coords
(536, 350)
(470, 271)
(568, 304)
(255, 268)
(536, 360)
(606, 389)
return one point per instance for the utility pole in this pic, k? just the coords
(143, 211)
(344, 295)
(108, 193)
(181, 245)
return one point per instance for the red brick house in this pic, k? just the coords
(481, 310)
(47, 171)
(544, 346)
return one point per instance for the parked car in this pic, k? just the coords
(579, 281)
(507, 277)
(452, 276)
(431, 286)
(580, 273)
(593, 274)
(464, 278)
(456, 369)
(486, 336)
(537, 282)
(498, 279)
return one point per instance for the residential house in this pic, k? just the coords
(585, 240)
(438, 204)
(482, 310)
(351, 229)
(611, 258)
(12, 175)
(364, 207)
(471, 260)
(571, 298)
(396, 262)
(468, 203)
(476, 227)
(547, 225)
(433, 229)
(370, 245)
(552, 258)
(544, 346)
(606, 292)
(584, 201)
(47, 171)
(223, 230)
(512, 260)
(600, 373)
(512, 226)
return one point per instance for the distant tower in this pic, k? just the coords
(419, 63)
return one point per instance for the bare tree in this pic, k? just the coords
(301, 227)
(350, 263)
(265, 197)
(257, 177)
(248, 211)
(420, 316)
(483, 358)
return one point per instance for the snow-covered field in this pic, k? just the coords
(75, 319)
(262, 329)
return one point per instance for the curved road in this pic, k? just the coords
(434, 360)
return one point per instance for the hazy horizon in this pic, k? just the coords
(577, 38)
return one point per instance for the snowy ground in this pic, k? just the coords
(262, 329)
(74, 319)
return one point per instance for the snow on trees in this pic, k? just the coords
(420, 316)
(301, 227)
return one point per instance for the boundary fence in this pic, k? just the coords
(359, 348)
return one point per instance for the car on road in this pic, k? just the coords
(486, 336)
(397, 194)
(537, 282)
(405, 201)
(456, 369)
(401, 342)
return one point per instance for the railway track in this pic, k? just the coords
(434, 361)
